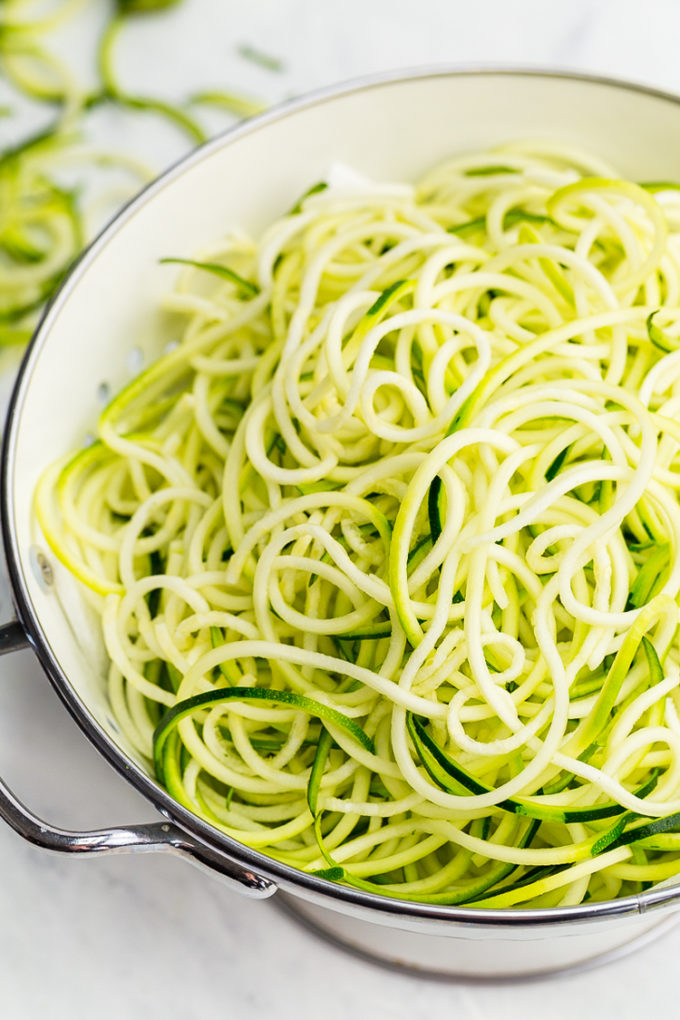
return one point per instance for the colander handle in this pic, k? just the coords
(151, 838)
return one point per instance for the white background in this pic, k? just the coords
(145, 937)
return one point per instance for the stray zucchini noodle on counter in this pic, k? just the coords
(386, 548)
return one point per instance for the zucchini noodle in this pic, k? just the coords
(387, 548)
(41, 232)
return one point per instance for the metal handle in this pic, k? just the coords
(12, 637)
(150, 838)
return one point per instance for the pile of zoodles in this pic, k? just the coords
(43, 222)
(386, 548)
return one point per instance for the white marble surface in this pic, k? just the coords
(144, 937)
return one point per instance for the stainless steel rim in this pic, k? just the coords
(294, 881)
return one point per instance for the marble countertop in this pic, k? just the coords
(150, 937)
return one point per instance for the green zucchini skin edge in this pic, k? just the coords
(428, 749)
(209, 699)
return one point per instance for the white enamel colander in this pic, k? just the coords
(105, 323)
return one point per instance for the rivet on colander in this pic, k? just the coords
(42, 568)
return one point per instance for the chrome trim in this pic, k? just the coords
(290, 879)
(150, 838)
